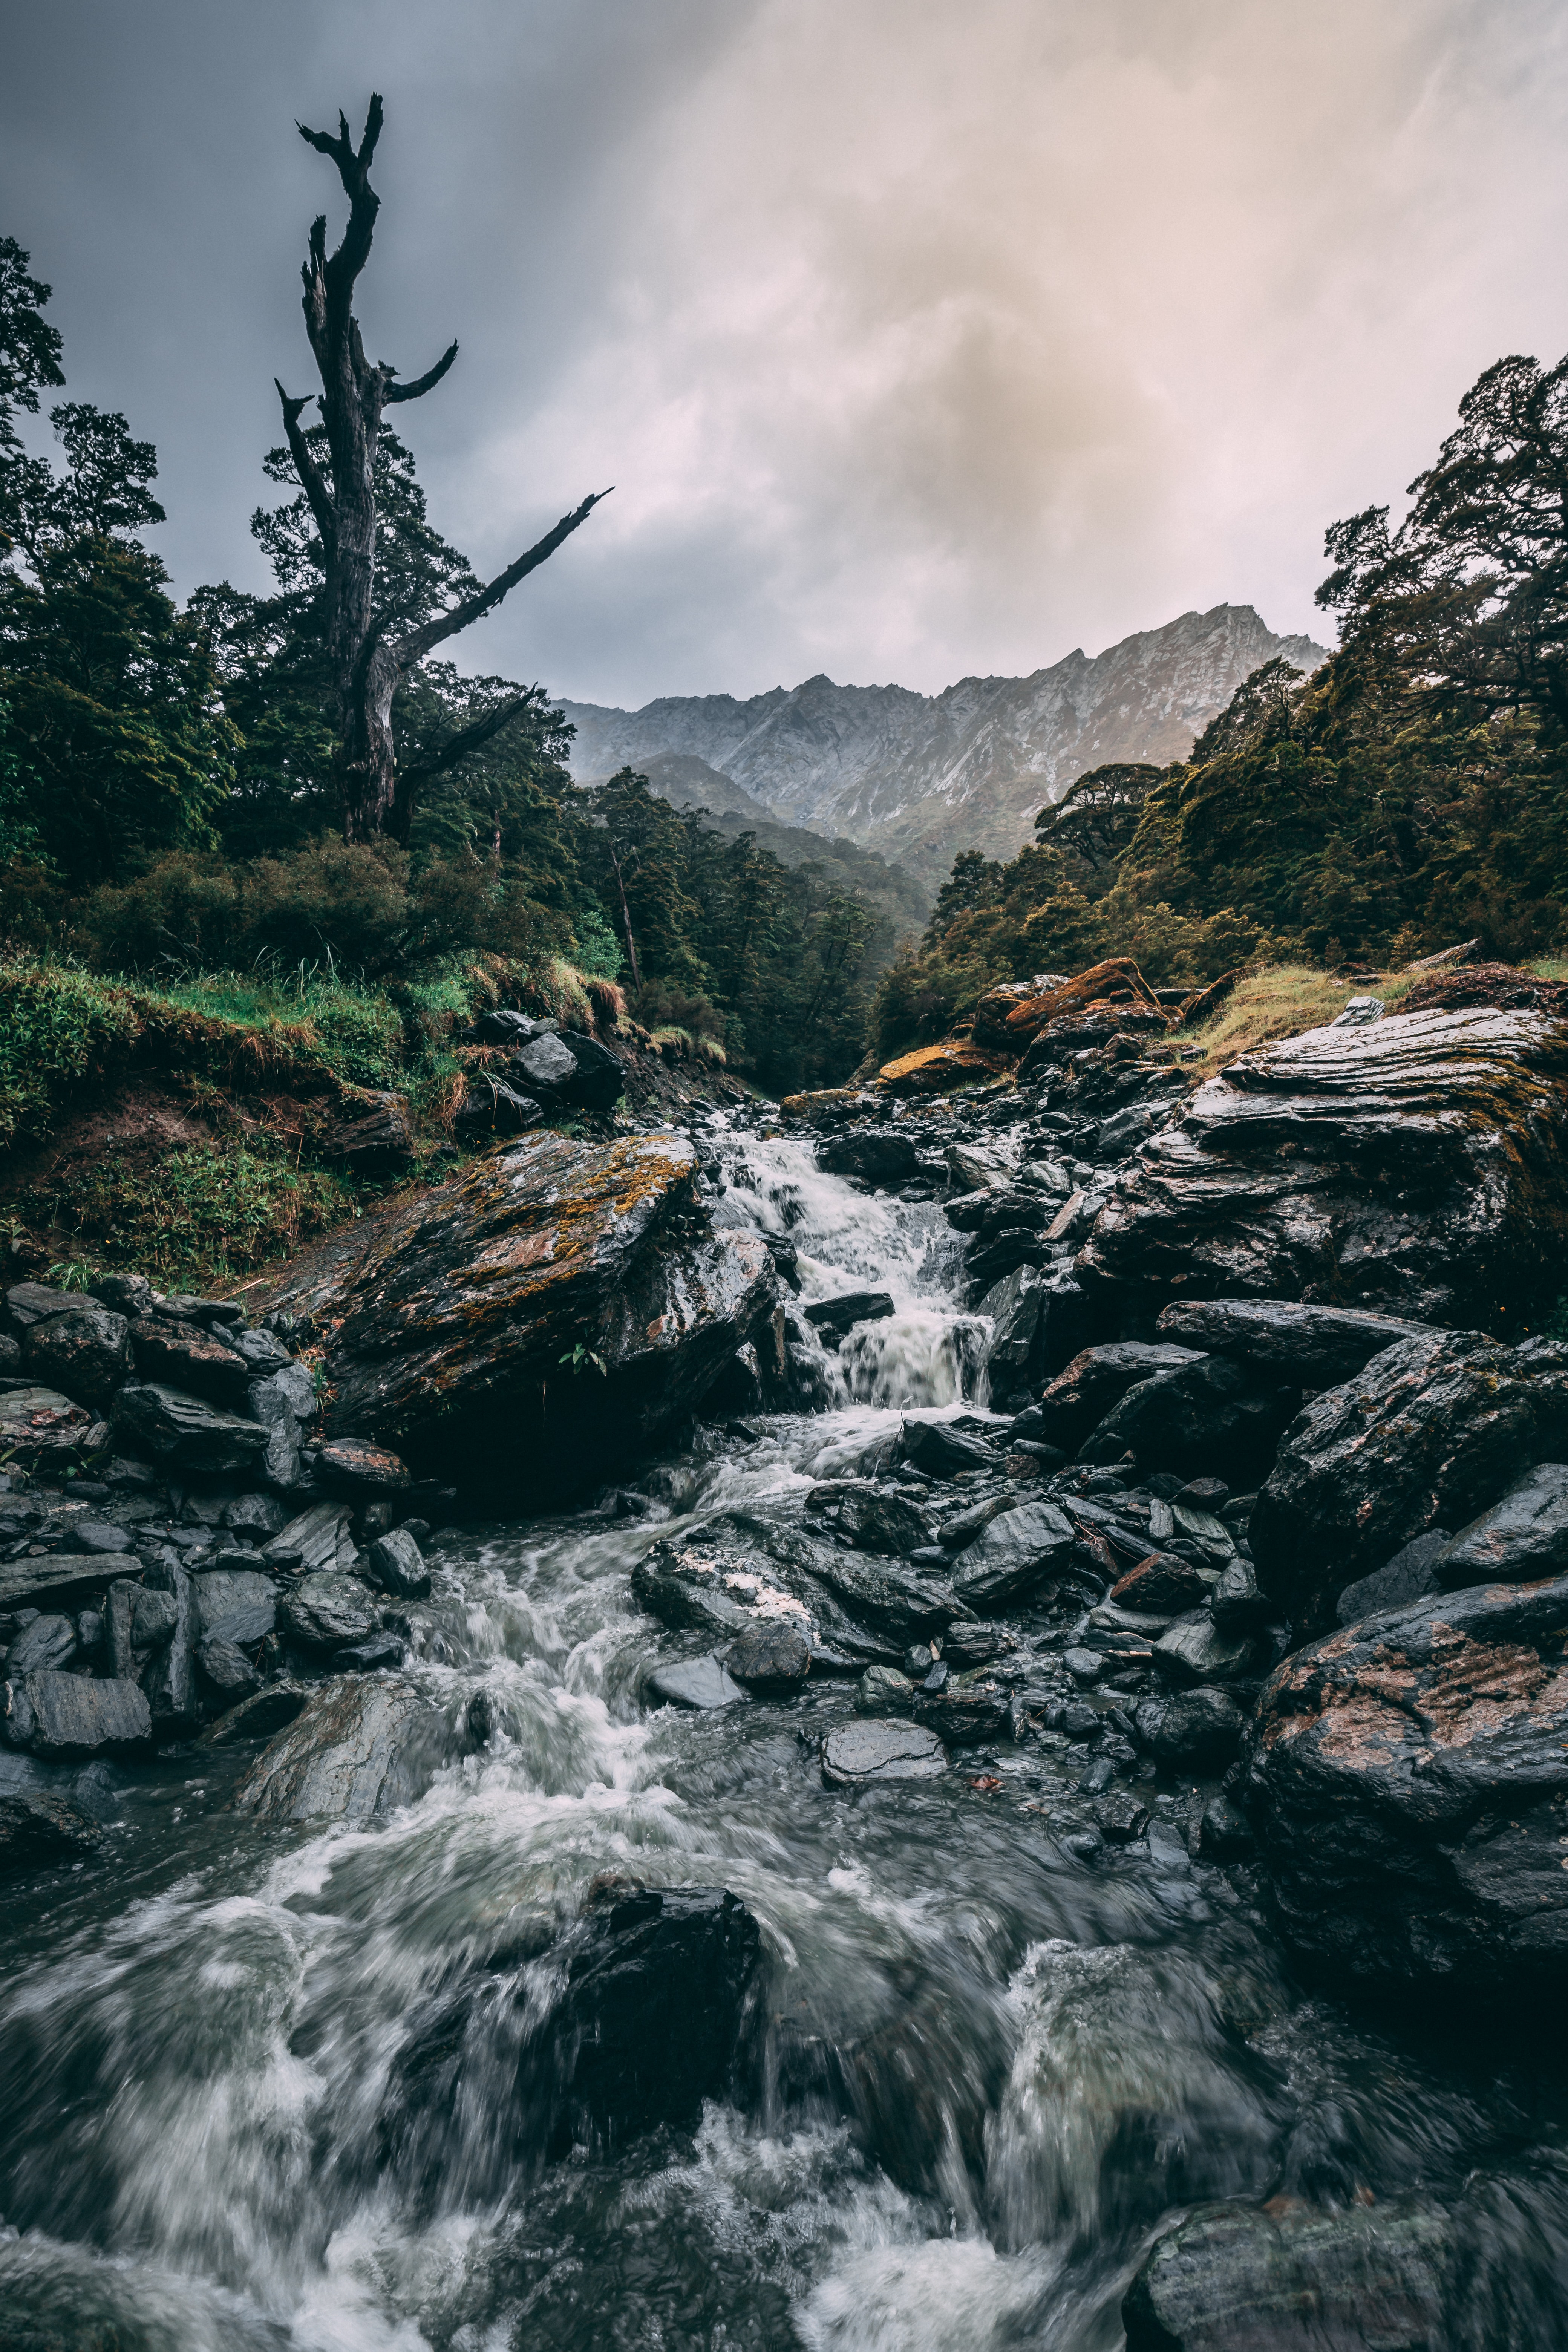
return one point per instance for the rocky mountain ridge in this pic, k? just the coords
(921, 777)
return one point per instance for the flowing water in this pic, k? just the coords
(200, 2034)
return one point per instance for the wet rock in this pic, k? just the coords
(47, 1642)
(1520, 1539)
(191, 1358)
(451, 1315)
(1225, 1834)
(1017, 1553)
(154, 1617)
(283, 1402)
(368, 1657)
(259, 1717)
(771, 1654)
(1014, 1306)
(1199, 1731)
(256, 1516)
(349, 1465)
(491, 1107)
(1408, 1782)
(169, 1678)
(40, 1428)
(1195, 1650)
(1408, 1576)
(888, 1598)
(684, 1585)
(1084, 1665)
(1306, 1347)
(360, 1746)
(882, 1690)
(1164, 1584)
(1077, 1033)
(940, 1450)
(264, 1353)
(226, 1668)
(971, 1712)
(37, 1830)
(1235, 2278)
(956, 1533)
(84, 1351)
(1431, 1432)
(1415, 1167)
(879, 1155)
(875, 1518)
(1084, 1391)
(239, 1603)
(571, 1071)
(321, 1540)
(380, 1143)
(859, 1754)
(967, 1643)
(130, 1295)
(698, 1682)
(398, 1565)
(56, 1714)
(1236, 1603)
(1120, 1816)
(181, 1433)
(99, 1535)
(834, 1317)
(323, 1611)
(1208, 1415)
(27, 1303)
(939, 1070)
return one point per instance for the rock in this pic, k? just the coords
(882, 1690)
(1195, 1650)
(1308, 1347)
(1237, 2278)
(875, 1518)
(188, 1357)
(1408, 1782)
(27, 1303)
(84, 1351)
(258, 1718)
(1432, 1431)
(38, 1829)
(697, 1683)
(358, 1746)
(452, 1315)
(188, 1306)
(283, 1402)
(1077, 1033)
(181, 1433)
(130, 1295)
(972, 1643)
(264, 1353)
(321, 1539)
(226, 1668)
(239, 1603)
(889, 1598)
(940, 1450)
(1408, 1576)
(859, 1754)
(1120, 1816)
(971, 1712)
(97, 1535)
(1163, 1583)
(1359, 1012)
(835, 1317)
(1199, 1732)
(260, 1515)
(366, 1657)
(772, 1654)
(154, 1617)
(1014, 1306)
(940, 1069)
(879, 1155)
(39, 1427)
(1021, 1549)
(1084, 1391)
(688, 1588)
(995, 1008)
(956, 1533)
(398, 1565)
(1236, 1603)
(170, 1677)
(322, 1611)
(380, 1143)
(571, 1070)
(1225, 1834)
(1207, 1416)
(1521, 1539)
(60, 1715)
(1084, 1665)
(1415, 1167)
(47, 1642)
(349, 1465)
(490, 1107)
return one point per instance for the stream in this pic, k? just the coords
(198, 2032)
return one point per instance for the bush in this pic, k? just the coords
(57, 1027)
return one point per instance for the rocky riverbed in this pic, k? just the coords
(1018, 1798)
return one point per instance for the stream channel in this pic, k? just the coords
(197, 2032)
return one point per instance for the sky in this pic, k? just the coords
(918, 340)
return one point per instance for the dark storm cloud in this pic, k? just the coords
(917, 339)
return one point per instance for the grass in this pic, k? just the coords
(1280, 1002)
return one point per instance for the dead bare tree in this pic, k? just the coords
(368, 666)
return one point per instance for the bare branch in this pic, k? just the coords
(305, 465)
(353, 171)
(418, 642)
(468, 739)
(421, 383)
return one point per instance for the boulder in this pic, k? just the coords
(941, 1069)
(875, 1518)
(397, 1566)
(84, 1350)
(380, 1142)
(1209, 1415)
(1408, 1782)
(1014, 1307)
(971, 1711)
(882, 1690)
(38, 1829)
(1518, 1540)
(701, 1684)
(189, 1357)
(227, 1669)
(879, 1155)
(570, 1071)
(490, 1107)
(323, 1611)
(181, 1433)
(545, 1314)
(1304, 1346)
(1415, 1167)
(349, 1465)
(1432, 1431)
(47, 1642)
(772, 1654)
(39, 1427)
(265, 1353)
(997, 1006)
(27, 1303)
(258, 1717)
(859, 1754)
(128, 1293)
(1197, 1650)
(60, 1715)
(834, 1317)
(1407, 1577)
(1163, 1583)
(169, 1678)
(1290, 2277)
(238, 1603)
(283, 1401)
(1084, 1391)
(1097, 1027)
(1199, 1731)
(1018, 1551)
(319, 1541)
(940, 1450)
(358, 1746)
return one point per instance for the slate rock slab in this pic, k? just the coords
(323, 1611)
(1408, 1576)
(397, 1564)
(700, 1684)
(189, 1357)
(1234, 2278)
(360, 1746)
(1307, 1347)
(879, 1749)
(84, 1351)
(56, 1714)
(183, 1433)
(834, 1317)
(1518, 1540)
(321, 1539)
(1012, 1556)
(61, 1579)
(1084, 1389)
(39, 1425)
(771, 1654)
(272, 1707)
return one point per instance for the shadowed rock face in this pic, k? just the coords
(1409, 1782)
(1415, 1166)
(1232, 2278)
(446, 1333)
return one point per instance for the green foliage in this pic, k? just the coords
(214, 1210)
(58, 1028)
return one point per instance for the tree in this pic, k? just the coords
(29, 360)
(370, 657)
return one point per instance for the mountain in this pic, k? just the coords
(923, 776)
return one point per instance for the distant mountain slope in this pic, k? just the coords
(923, 776)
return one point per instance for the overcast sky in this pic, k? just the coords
(920, 336)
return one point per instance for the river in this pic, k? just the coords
(198, 2032)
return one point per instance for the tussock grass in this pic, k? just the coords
(1280, 1001)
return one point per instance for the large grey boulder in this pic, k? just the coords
(1012, 1556)
(1520, 1539)
(47, 1642)
(183, 1433)
(398, 1565)
(320, 1540)
(1084, 1390)
(1305, 1347)
(283, 1401)
(700, 1683)
(880, 1748)
(84, 1350)
(238, 1603)
(323, 1612)
(1208, 1419)
(1237, 2278)
(61, 1716)
(875, 1518)
(40, 1428)
(187, 1355)
(360, 1746)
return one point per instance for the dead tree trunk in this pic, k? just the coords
(367, 665)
